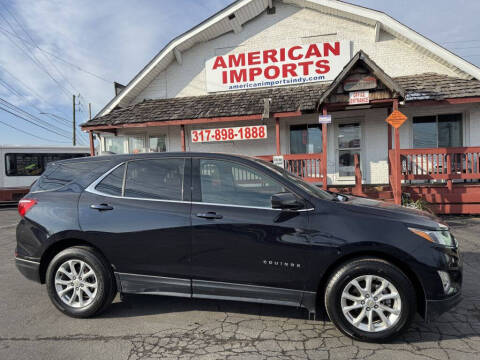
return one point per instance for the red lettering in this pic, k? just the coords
(254, 58)
(289, 69)
(322, 66)
(236, 60)
(290, 53)
(276, 72)
(306, 66)
(269, 55)
(313, 51)
(282, 54)
(238, 76)
(219, 62)
(252, 72)
(224, 77)
(327, 48)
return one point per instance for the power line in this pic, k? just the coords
(75, 66)
(32, 118)
(35, 45)
(28, 133)
(34, 59)
(460, 41)
(15, 92)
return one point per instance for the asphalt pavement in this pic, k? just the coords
(154, 327)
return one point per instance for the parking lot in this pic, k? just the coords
(150, 327)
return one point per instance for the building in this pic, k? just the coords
(312, 81)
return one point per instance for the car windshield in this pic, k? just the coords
(309, 188)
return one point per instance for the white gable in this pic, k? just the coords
(179, 70)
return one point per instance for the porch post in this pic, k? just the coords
(277, 134)
(92, 145)
(324, 151)
(397, 195)
(182, 136)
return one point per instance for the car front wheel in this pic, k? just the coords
(370, 299)
(80, 282)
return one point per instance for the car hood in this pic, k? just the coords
(410, 216)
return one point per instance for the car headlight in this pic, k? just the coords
(440, 237)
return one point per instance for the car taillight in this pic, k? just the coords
(24, 205)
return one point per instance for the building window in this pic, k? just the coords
(348, 145)
(157, 143)
(437, 131)
(136, 144)
(115, 144)
(305, 139)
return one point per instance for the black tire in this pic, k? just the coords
(106, 286)
(369, 266)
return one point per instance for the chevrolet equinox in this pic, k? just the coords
(218, 226)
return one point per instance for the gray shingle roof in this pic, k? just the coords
(427, 86)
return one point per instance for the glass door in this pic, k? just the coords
(348, 144)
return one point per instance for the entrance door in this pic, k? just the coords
(348, 144)
(242, 248)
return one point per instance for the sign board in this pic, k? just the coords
(325, 119)
(278, 160)
(357, 82)
(296, 64)
(254, 132)
(358, 97)
(396, 119)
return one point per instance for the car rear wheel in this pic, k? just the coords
(370, 299)
(80, 282)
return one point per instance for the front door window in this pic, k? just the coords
(349, 144)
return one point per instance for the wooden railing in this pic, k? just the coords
(438, 163)
(307, 166)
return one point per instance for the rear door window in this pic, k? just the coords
(155, 179)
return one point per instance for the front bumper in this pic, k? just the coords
(30, 269)
(438, 307)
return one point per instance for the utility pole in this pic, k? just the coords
(74, 135)
(90, 111)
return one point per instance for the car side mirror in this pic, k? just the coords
(286, 201)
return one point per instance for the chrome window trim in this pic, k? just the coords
(91, 189)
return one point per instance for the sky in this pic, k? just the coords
(53, 49)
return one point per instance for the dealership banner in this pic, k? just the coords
(297, 64)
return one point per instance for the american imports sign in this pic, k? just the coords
(296, 64)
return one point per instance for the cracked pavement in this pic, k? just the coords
(151, 327)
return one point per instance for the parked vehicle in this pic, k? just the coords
(219, 226)
(22, 165)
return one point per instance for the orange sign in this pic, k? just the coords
(396, 119)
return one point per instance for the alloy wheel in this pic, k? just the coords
(371, 303)
(76, 283)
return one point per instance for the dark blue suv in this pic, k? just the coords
(219, 226)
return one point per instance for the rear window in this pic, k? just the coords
(59, 174)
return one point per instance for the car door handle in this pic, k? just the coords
(101, 207)
(210, 215)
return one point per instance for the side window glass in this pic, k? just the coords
(225, 182)
(112, 183)
(155, 179)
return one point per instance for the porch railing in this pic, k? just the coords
(307, 166)
(439, 163)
